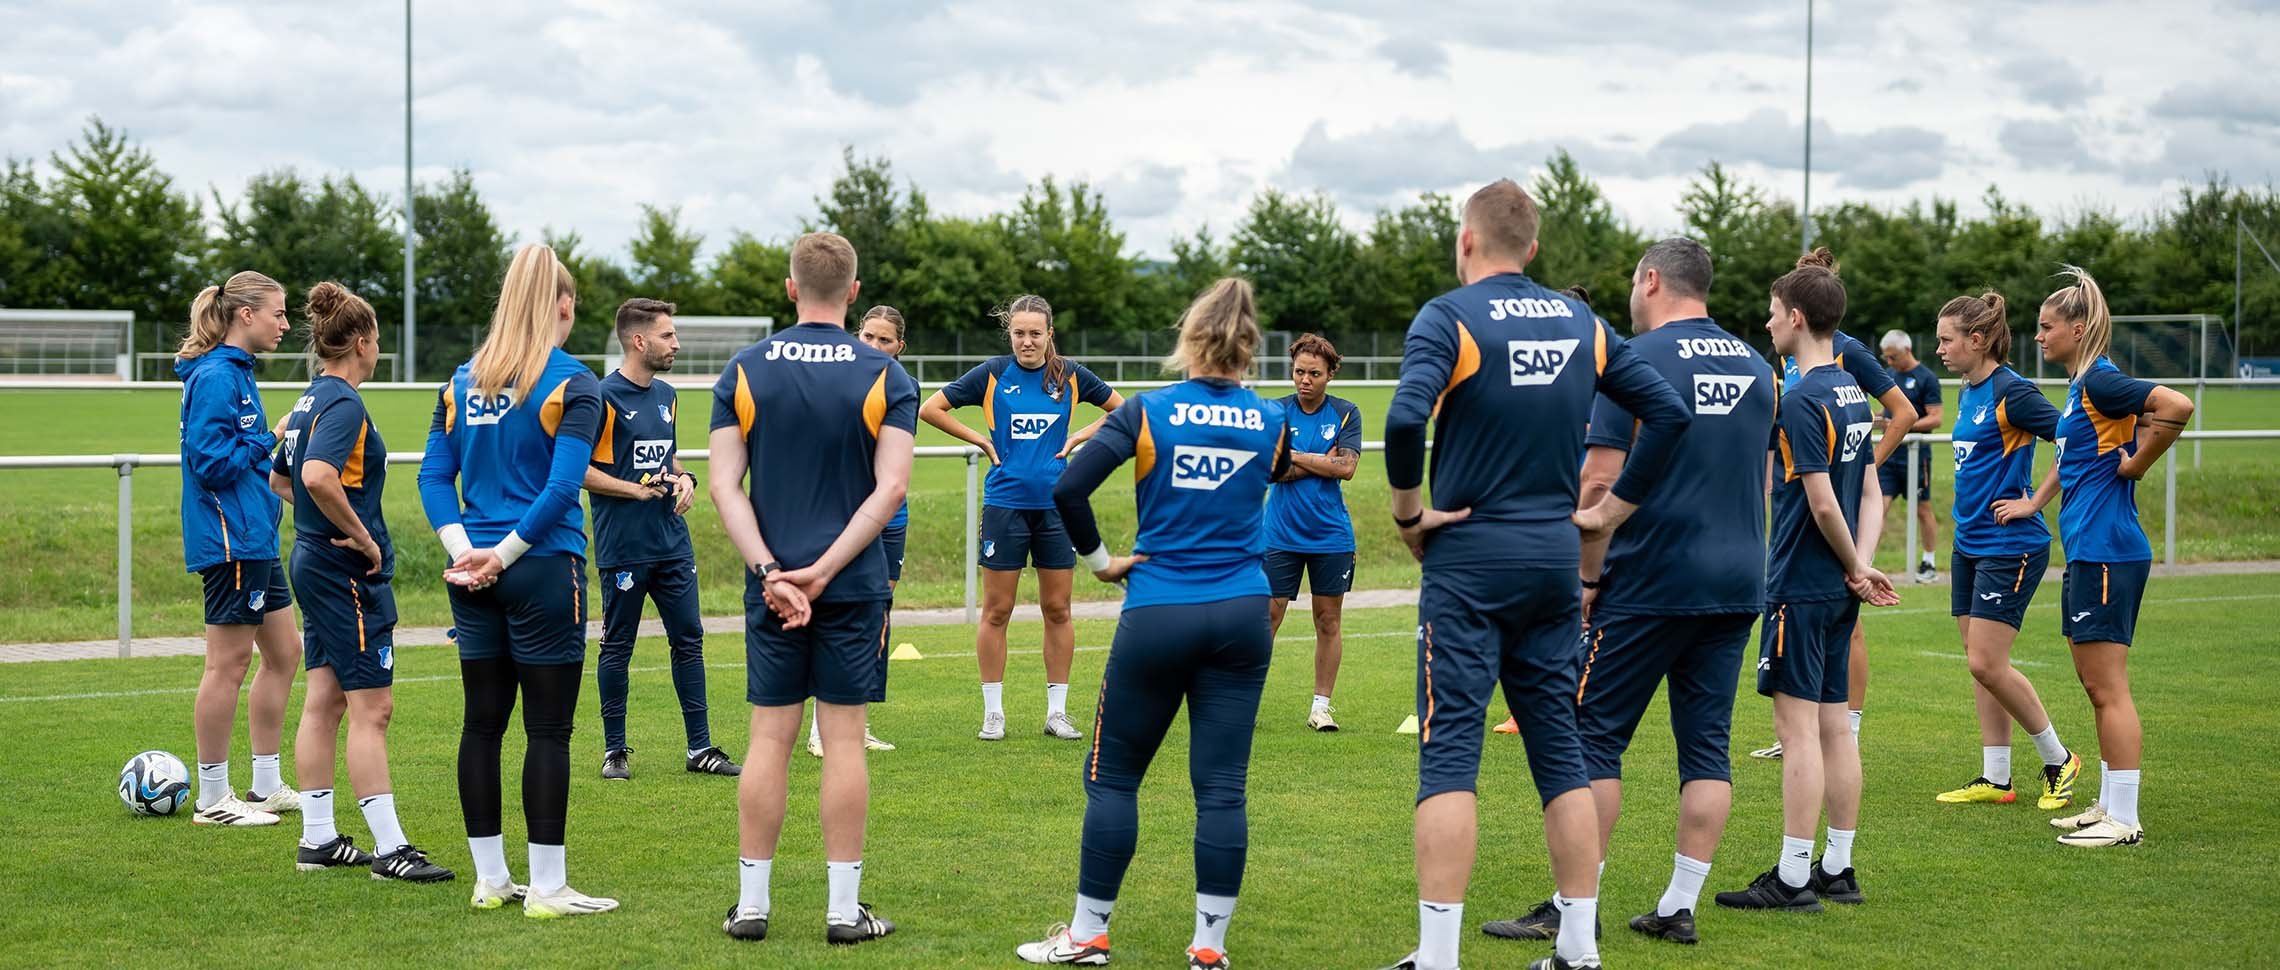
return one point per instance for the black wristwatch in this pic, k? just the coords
(1410, 522)
(1589, 583)
(766, 569)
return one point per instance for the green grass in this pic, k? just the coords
(60, 527)
(973, 847)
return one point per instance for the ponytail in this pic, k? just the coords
(216, 307)
(1219, 331)
(2084, 303)
(337, 320)
(1982, 316)
(521, 338)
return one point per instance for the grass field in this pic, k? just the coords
(58, 528)
(973, 847)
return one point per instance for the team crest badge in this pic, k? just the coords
(625, 581)
(1328, 432)
(989, 548)
(254, 600)
(387, 657)
(665, 412)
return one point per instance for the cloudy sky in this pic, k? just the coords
(573, 113)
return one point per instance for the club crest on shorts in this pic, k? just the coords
(387, 657)
(625, 580)
(989, 548)
(254, 600)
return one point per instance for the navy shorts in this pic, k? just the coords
(878, 693)
(1627, 656)
(535, 614)
(1994, 587)
(672, 585)
(1892, 476)
(1480, 628)
(244, 592)
(891, 541)
(1805, 649)
(2100, 600)
(1014, 538)
(1327, 573)
(835, 658)
(347, 623)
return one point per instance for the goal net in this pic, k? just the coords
(49, 344)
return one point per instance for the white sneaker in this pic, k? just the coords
(1320, 720)
(2103, 833)
(1057, 724)
(872, 741)
(492, 896)
(565, 902)
(2094, 815)
(1057, 947)
(284, 799)
(232, 810)
(993, 726)
(815, 745)
(1770, 753)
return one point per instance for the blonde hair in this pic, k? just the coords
(521, 337)
(1219, 331)
(1502, 218)
(1982, 316)
(337, 318)
(217, 306)
(2084, 303)
(823, 266)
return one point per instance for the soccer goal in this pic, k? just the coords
(707, 343)
(49, 344)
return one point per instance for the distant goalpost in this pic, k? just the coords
(707, 343)
(49, 344)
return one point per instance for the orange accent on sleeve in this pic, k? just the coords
(2013, 438)
(450, 407)
(1788, 463)
(875, 405)
(2112, 432)
(1143, 451)
(353, 475)
(1468, 364)
(1599, 348)
(745, 409)
(550, 413)
(605, 445)
(989, 407)
(1829, 421)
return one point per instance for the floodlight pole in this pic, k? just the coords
(410, 350)
(1805, 212)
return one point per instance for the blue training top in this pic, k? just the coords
(1866, 368)
(519, 464)
(228, 512)
(1203, 451)
(638, 442)
(902, 512)
(329, 424)
(2097, 513)
(1996, 423)
(1822, 426)
(1029, 424)
(1308, 514)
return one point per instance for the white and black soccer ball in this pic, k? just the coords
(154, 783)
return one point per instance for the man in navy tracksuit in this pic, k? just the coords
(1505, 370)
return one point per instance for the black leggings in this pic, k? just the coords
(550, 702)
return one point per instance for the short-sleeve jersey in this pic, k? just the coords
(1203, 452)
(329, 424)
(1923, 390)
(2098, 514)
(504, 448)
(1309, 514)
(1866, 368)
(1822, 426)
(809, 403)
(902, 512)
(1996, 423)
(1676, 554)
(637, 444)
(1029, 424)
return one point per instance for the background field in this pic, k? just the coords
(973, 846)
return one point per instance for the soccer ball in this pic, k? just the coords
(154, 783)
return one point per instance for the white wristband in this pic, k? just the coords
(510, 549)
(1097, 559)
(455, 542)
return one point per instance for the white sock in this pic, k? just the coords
(316, 818)
(1056, 699)
(1686, 878)
(846, 880)
(1854, 716)
(993, 698)
(2123, 789)
(1837, 857)
(2105, 784)
(1091, 919)
(549, 872)
(1211, 916)
(490, 854)
(752, 883)
(266, 779)
(1995, 763)
(380, 814)
(1796, 860)
(1321, 702)
(693, 752)
(1927, 560)
(2046, 744)
(1579, 925)
(1439, 925)
(213, 784)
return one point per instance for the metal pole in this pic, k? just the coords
(410, 356)
(973, 527)
(1915, 454)
(2169, 515)
(126, 554)
(1805, 211)
(2200, 386)
(2238, 228)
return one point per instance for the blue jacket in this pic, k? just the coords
(228, 512)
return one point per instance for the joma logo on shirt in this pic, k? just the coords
(1693, 347)
(488, 410)
(1539, 362)
(649, 453)
(1217, 415)
(809, 353)
(1719, 393)
(1528, 307)
(1850, 394)
(1030, 427)
(1194, 466)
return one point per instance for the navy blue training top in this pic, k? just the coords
(637, 444)
(329, 424)
(1922, 388)
(1823, 426)
(1029, 424)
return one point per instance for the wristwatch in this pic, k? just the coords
(766, 569)
(1401, 523)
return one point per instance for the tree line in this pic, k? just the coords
(102, 226)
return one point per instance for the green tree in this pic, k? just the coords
(1064, 249)
(33, 271)
(461, 258)
(959, 270)
(665, 262)
(602, 285)
(131, 240)
(301, 234)
(1301, 259)
(1582, 240)
(748, 279)
(865, 206)
(1408, 259)
(1752, 240)
(1164, 289)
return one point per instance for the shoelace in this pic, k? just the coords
(2050, 777)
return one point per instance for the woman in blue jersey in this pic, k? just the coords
(1029, 399)
(1308, 528)
(229, 538)
(514, 430)
(335, 467)
(1195, 627)
(1996, 565)
(2111, 432)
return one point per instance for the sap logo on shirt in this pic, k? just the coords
(1719, 393)
(1963, 452)
(1528, 307)
(246, 421)
(1850, 394)
(1030, 427)
(1539, 362)
(800, 353)
(1195, 466)
(292, 447)
(1693, 347)
(1856, 434)
(649, 453)
(488, 410)
(1218, 415)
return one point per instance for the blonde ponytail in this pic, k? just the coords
(1219, 331)
(216, 308)
(521, 338)
(2084, 303)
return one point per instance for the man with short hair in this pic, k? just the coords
(641, 543)
(1504, 370)
(1923, 390)
(822, 421)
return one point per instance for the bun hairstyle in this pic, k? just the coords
(337, 319)
(1056, 366)
(2084, 303)
(212, 312)
(1578, 291)
(1220, 330)
(1814, 290)
(1982, 316)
